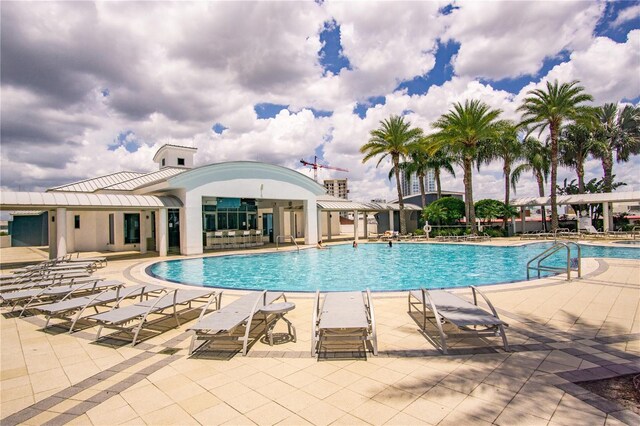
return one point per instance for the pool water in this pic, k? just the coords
(376, 266)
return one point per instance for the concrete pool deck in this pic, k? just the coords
(560, 333)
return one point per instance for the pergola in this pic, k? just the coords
(339, 205)
(606, 199)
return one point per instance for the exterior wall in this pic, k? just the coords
(171, 156)
(5, 241)
(383, 221)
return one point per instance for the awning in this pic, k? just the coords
(334, 205)
(607, 197)
(81, 201)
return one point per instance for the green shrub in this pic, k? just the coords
(445, 211)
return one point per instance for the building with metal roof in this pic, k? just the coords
(184, 209)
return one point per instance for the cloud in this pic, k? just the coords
(629, 14)
(75, 76)
(608, 70)
(510, 39)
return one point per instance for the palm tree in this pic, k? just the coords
(619, 131)
(548, 110)
(394, 138)
(575, 144)
(459, 132)
(438, 162)
(417, 164)
(506, 147)
(537, 160)
(421, 162)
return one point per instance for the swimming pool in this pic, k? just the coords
(375, 266)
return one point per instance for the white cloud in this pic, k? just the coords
(608, 70)
(626, 15)
(509, 39)
(175, 69)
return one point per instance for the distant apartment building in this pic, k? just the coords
(411, 185)
(337, 188)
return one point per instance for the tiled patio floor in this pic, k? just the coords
(560, 333)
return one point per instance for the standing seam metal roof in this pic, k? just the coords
(146, 179)
(94, 184)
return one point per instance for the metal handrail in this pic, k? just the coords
(559, 245)
(293, 240)
(633, 231)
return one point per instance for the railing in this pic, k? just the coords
(559, 245)
(293, 240)
(635, 231)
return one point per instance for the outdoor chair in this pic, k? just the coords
(72, 309)
(131, 319)
(591, 231)
(52, 280)
(36, 296)
(470, 319)
(343, 317)
(234, 322)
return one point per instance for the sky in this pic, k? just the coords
(88, 89)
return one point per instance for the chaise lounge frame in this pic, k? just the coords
(472, 320)
(225, 323)
(347, 318)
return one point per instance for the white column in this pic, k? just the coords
(605, 217)
(329, 214)
(391, 222)
(310, 213)
(319, 214)
(191, 225)
(143, 231)
(366, 225)
(161, 232)
(61, 232)
(355, 225)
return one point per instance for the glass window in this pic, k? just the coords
(222, 220)
(180, 161)
(233, 219)
(131, 228)
(209, 222)
(76, 221)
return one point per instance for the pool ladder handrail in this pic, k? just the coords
(293, 240)
(559, 245)
(635, 231)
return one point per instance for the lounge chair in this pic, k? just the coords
(343, 316)
(234, 321)
(100, 261)
(36, 296)
(591, 231)
(71, 309)
(133, 318)
(468, 317)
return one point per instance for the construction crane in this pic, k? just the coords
(315, 166)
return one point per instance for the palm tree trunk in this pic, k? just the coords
(422, 193)
(468, 194)
(540, 181)
(396, 167)
(553, 130)
(506, 170)
(607, 169)
(580, 173)
(436, 172)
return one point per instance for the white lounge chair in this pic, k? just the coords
(591, 231)
(133, 318)
(71, 309)
(343, 316)
(233, 322)
(468, 317)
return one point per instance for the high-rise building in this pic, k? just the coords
(411, 186)
(337, 188)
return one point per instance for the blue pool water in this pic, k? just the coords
(374, 266)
